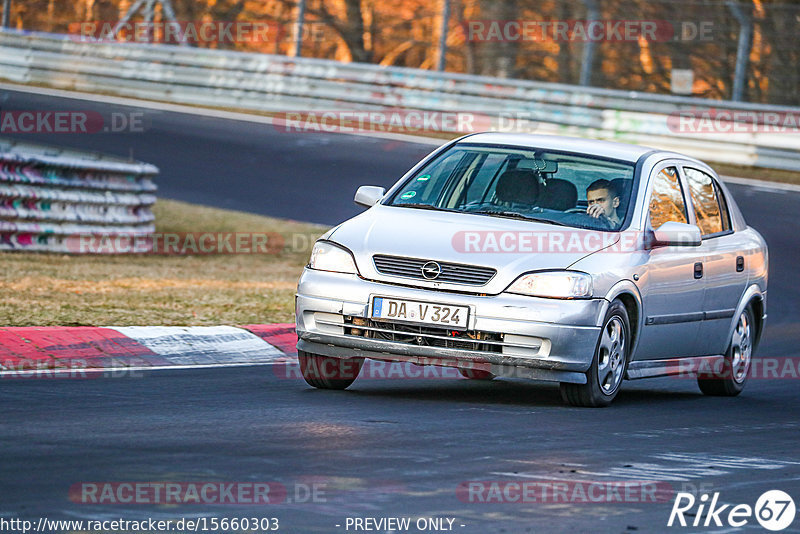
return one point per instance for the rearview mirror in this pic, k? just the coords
(675, 234)
(369, 195)
(544, 166)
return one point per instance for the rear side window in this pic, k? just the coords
(709, 208)
(666, 201)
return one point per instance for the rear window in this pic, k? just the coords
(709, 208)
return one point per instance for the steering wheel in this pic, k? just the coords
(582, 219)
(603, 221)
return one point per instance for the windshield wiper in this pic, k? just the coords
(515, 215)
(421, 206)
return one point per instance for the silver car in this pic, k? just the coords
(550, 258)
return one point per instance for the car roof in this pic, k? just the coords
(608, 149)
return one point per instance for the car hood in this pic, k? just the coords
(509, 246)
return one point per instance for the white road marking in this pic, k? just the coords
(204, 345)
(693, 432)
(683, 468)
(175, 347)
(734, 462)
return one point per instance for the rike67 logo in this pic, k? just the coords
(774, 510)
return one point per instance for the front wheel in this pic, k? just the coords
(604, 377)
(476, 374)
(731, 379)
(324, 372)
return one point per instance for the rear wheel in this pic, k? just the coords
(731, 379)
(604, 377)
(325, 372)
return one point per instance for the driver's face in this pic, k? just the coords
(602, 198)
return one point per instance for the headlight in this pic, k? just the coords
(553, 284)
(325, 256)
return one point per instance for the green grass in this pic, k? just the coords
(55, 289)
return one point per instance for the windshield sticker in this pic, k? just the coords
(424, 177)
(409, 194)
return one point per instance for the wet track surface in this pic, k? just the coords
(386, 447)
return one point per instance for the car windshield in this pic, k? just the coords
(581, 191)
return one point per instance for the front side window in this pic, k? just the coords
(712, 216)
(666, 201)
(577, 190)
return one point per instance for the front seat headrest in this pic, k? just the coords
(558, 194)
(518, 186)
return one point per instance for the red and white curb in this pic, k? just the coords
(26, 351)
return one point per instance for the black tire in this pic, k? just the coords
(476, 374)
(324, 372)
(611, 355)
(731, 379)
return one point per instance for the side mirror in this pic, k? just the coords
(369, 195)
(675, 234)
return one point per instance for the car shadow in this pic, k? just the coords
(506, 392)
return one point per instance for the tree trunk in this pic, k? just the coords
(353, 32)
(498, 58)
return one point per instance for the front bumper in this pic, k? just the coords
(544, 339)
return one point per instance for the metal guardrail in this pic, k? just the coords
(273, 83)
(50, 198)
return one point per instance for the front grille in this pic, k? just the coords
(455, 273)
(432, 336)
(425, 335)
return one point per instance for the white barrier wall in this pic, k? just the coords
(262, 82)
(51, 197)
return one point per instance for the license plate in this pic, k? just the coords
(420, 312)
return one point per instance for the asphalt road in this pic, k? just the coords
(235, 164)
(396, 448)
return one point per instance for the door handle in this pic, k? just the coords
(698, 270)
(739, 264)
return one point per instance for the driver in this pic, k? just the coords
(603, 201)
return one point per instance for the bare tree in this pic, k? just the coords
(498, 57)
